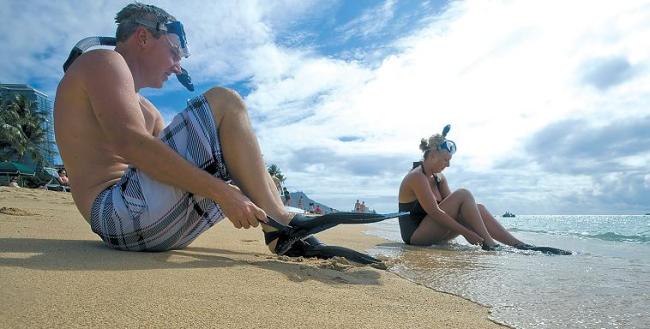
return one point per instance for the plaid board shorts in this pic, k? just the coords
(141, 214)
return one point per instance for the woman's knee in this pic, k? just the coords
(464, 193)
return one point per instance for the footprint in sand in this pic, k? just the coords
(15, 211)
(337, 264)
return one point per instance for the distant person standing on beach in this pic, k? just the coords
(287, 197)
(357, 206)
(143, 186)
(437, 214)
(278, 185)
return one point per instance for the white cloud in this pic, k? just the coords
(497, 71)
(371, 21)
(221, 34)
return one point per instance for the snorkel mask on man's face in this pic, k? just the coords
(175, 34)
(174, 30)
(447, 145)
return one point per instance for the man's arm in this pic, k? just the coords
(111, 92)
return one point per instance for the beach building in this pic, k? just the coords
(42, 103)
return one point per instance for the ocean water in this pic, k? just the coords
(604, 284)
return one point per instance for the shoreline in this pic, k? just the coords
(377, 239)
(58, 273)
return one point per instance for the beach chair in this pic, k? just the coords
(53, 184)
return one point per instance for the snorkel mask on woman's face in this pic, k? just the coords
(447, 145)
(174, 30)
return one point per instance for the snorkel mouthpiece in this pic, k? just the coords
(185, 80)
(447, 145)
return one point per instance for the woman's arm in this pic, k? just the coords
(422, 189)
(443, 187)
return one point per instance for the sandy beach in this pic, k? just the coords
(56, 273)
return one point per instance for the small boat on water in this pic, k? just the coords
(508, 214)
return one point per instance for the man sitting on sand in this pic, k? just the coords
(142, 186)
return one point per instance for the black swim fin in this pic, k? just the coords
(494, 247)
(302, 226)
(545, 250)
(312, 247)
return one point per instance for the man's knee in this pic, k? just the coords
(223, 101)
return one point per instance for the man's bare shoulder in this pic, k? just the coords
(90, 67)
(97, 67)
(96, 59)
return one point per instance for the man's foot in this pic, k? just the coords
(273, 231)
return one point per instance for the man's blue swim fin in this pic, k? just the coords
(312, 247)
(302, 226)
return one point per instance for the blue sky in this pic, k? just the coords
(549, 101)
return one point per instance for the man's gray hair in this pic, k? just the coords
(126, 19)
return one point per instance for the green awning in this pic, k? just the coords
(15, 168)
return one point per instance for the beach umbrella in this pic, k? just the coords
(15, 168)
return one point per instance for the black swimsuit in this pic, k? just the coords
(409, 223)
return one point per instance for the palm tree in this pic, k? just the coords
(22, 131)
(275, 171)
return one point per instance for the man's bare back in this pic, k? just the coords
(93, 164)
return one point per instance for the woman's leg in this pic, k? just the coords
(430, 232)
(495, 229)
(461, 205)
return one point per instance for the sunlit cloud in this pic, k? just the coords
(548, 101)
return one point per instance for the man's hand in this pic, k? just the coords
(240, 210)
(473, 238)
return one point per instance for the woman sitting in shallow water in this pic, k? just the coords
(437, 214)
